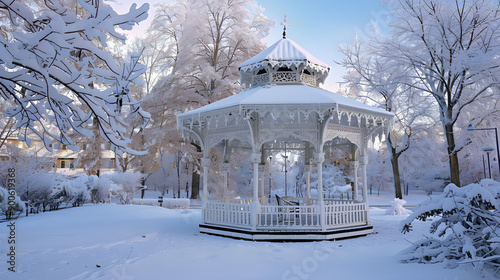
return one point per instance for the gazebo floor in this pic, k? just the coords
(286, 235)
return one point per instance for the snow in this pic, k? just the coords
(272, 95)
(397, 208)
(284, 50)
(144, 242)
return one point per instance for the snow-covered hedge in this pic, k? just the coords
(171, 203)
(10, 207)
(128, 184)
(466, 229)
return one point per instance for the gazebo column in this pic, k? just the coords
(354, 167)
(307, 168)
(263, 199)
(320, 158)
(363, 160)
(255, 158)
(225, 170)
(205, 163)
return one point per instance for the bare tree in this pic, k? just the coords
(450, 50)
(207, 40)
(378, 79)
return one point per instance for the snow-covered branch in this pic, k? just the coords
(53, 66)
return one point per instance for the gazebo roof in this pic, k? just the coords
(285, 50)
(296, 95)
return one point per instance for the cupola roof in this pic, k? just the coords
(286, 52)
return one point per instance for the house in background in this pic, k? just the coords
(64, 158)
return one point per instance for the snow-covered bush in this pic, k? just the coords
(466, 229)
(71, 192)
(5, 209)
(100, 188)
(397, 208)
(128, 184)
(80, 190)
(39, 190)
(176, 203)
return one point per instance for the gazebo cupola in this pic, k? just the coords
(285, 62)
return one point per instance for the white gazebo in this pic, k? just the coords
(282, 103)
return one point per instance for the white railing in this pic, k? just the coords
(341, 215)
(291, 217)
(230, 214)
(338, 213)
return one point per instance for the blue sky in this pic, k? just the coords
(319, 26)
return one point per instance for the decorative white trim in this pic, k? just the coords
(350, 133)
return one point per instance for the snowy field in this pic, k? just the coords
(144, 242)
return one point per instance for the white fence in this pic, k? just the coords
(293, 217)
(345, 214)
(230, 214)
(337, 214)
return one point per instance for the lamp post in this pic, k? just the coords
(488, 150)
(286, 171)
(472, 128)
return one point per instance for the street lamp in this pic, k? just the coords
(286, 171)
(472, 128)
(488, 150)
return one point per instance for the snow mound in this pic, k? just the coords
(397, 208)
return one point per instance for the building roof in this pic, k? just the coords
(289, 95)
(295, 95)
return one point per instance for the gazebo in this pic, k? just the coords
(283, 103)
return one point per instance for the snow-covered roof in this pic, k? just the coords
(283, 50)
(296, 95)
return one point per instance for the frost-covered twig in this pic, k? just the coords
(55, 63)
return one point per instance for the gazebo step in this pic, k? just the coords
(287, 235)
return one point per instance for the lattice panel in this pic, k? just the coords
(308, 79)
(284, 77)
(261, 79)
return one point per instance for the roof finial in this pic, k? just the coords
(284, 27)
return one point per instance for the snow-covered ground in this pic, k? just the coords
(144, 242)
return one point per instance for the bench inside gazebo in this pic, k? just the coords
(283, 103)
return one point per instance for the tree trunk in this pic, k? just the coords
(179, 179)
(452, 154)
(195, 185)
(395, 173)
